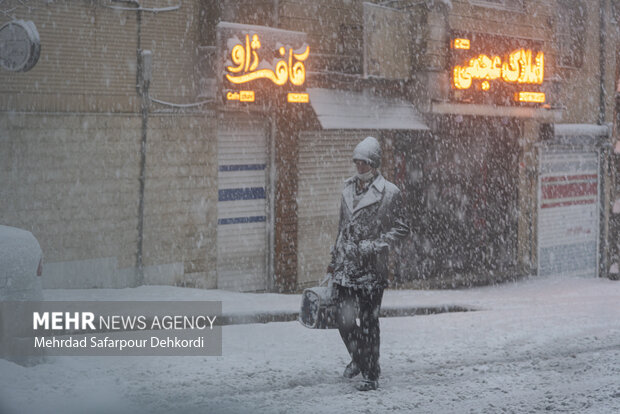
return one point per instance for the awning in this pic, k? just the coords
(580, 130)
(453, 108)
(581, 134)
(338, 109)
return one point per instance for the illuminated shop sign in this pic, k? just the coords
(496, 69)
(253, 67)
(289, 68)
(518, 68)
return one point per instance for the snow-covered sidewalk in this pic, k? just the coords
(525, 292)
(265, 307)
(537, 345)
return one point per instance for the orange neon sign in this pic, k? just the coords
(461, 44)
(298, 97)
(521, 67)
(247, 67)
(535, 97)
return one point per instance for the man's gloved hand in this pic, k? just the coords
(350, 250)
(366, 247)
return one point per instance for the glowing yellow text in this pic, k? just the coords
(245, 60)
(520, 68)
(461, 44)
(298, 97)
(536, 97)
(241, 96)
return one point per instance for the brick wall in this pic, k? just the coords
(87, 62)
(70, 137)
(88, 56)
(180, 217)
(72, 181)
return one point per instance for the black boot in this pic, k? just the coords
(351, 370)
(367, 385)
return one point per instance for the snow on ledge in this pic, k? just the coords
(581, 129)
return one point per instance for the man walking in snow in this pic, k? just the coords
(371, 223)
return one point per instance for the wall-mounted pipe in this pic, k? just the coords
(602, 106)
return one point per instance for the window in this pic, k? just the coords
(570, 32)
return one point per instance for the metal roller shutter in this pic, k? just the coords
(324, 164)
(242, 244)
(568, 221)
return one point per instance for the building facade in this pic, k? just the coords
(204, 143)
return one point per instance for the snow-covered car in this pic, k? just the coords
(21, 265)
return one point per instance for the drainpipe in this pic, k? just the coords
(601, 63)
(604, 152)
(144, 74)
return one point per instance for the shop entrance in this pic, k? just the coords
(243, 219)
(461, 186)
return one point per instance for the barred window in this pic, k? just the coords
(570, 32)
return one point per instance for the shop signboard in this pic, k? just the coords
(568, 213)
(261, 65)
(498, 70)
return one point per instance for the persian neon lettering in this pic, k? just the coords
(518, 68)
(246, 62)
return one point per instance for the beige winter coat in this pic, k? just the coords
(367, 233)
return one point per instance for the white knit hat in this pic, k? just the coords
(368, 150)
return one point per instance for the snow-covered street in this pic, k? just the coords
(535, 346)
(176, 176)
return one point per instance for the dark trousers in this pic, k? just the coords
(362, 340)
